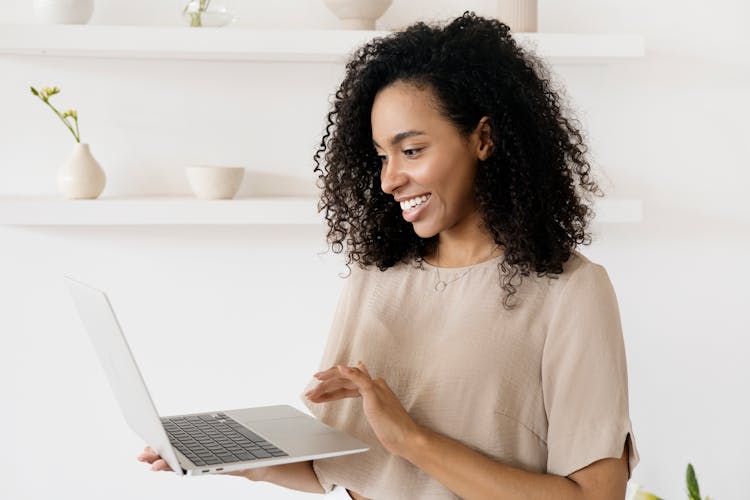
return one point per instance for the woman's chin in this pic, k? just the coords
(423, 230)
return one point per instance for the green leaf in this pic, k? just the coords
(33, 91)
(692, 484)
(645, 495)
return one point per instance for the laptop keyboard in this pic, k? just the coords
(214, 438)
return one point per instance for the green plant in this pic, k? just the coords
(195, 15)
(693, 490)
(694, 493)
(48, 92)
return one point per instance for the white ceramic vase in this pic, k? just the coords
(519, 15)
(81, 177)
(63, 11)
(358, 14)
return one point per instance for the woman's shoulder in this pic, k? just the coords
(580, 273)
(577, 270)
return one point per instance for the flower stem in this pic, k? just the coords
(78, 134)
(64, 121)
(195, 17)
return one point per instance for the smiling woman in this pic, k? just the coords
(449, 169)
(468, 109)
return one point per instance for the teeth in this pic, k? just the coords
(405, 205)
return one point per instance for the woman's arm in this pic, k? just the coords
(471, 475)
(461, 469)
(296, 476)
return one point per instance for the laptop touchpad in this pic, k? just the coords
(284, 427)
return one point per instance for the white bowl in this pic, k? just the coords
(63, 11)
(214, 183)
(358, 14)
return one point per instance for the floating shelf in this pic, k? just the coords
(164, 210)
(182, 42)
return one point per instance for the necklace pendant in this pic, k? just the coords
(440, 285)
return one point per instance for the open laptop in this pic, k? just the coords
(206, 442)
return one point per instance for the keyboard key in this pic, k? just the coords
(245, 456)
(260, 454)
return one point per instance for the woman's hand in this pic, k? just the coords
(157, 463)
(389, 420)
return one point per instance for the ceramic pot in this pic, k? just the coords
(81, 177)
(215, 183)
(358, 14)
(519, 15)
(63, 11)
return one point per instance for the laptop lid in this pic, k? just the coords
(121, 369)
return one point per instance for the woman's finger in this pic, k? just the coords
(362, 366)
(334, 395)
(331, 385)
(333, 371)
(160, 465)
(148, 455)
(363, 382)
(326, 374)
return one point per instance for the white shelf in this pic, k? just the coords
(182, 42)
(52, 211)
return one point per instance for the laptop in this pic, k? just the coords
(206, 442)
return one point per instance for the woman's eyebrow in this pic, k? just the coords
(401, 136)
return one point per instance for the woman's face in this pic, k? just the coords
(425, 159)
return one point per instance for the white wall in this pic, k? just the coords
(225, 317)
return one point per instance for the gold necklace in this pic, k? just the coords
(440, 284)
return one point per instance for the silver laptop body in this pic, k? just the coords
(284, 433)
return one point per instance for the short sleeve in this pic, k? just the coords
(584, 376)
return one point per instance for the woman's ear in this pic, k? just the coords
(484, 141)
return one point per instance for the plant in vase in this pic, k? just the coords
(81, 176)
(200, 13)
(48, 92)
(195, 10)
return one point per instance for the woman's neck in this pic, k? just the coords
(464, 245)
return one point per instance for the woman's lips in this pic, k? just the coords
(412, 214)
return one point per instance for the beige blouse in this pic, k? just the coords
(542, 387)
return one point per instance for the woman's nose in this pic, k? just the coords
(391, 177)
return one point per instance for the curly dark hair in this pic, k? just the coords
(527, 188)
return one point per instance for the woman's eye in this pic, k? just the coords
(406, 153)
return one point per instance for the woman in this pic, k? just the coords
(451, 175)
